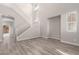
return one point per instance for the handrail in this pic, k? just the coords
(22, 30)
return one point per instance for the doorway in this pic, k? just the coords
(55, 27)
(8, 33)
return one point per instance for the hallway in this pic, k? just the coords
(42, 46)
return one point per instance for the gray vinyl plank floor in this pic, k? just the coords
(41, 46)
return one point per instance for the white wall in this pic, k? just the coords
(48, 10)
(69, 37)
(55, 27)
(51, 10)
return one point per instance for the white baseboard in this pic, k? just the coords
(45, 37)
(55, 38)
(76, 44)
(52, 38)
(27, 39)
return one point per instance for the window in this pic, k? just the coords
(71, 21)
(35, 12)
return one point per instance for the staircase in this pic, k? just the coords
(21, 23)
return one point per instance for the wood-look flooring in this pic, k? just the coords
(41, 46)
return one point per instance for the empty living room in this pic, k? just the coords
(39, 28)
